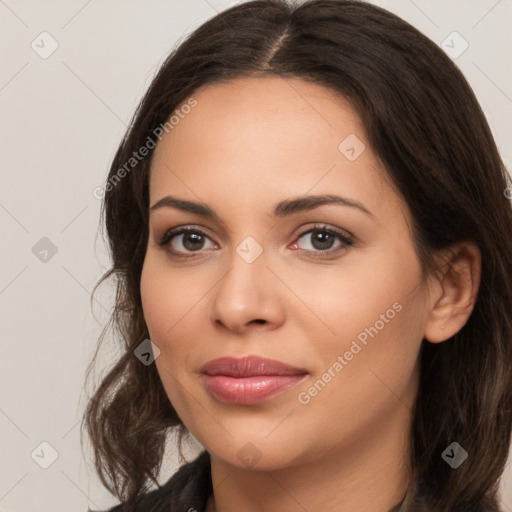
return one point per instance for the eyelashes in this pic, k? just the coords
(193, 239)
(166, 240)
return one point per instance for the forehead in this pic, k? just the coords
(269, 93)
(255, 137)
(251, 108)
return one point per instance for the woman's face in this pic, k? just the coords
(252, 280)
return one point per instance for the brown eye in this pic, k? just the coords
(181, 241)
(192, 241)
(323, 239)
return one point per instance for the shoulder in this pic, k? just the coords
(188, 488)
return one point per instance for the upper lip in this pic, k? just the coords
(249, 366)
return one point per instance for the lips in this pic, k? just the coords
(249, 366)
(249, 380)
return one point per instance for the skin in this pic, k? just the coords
(246, 145)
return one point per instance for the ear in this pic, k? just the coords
(453, 292)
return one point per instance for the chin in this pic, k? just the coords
(257, 454)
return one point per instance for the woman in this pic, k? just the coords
(310, 232)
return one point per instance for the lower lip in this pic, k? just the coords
(249, 390)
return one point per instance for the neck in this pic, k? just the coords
(370, 473)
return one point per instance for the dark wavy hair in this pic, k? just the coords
(426, 126)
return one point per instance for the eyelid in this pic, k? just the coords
(346, 241)
(168, 234)
(321, 226)
(346, 238)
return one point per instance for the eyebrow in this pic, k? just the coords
(281, 209)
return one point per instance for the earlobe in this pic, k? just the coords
(453, 292)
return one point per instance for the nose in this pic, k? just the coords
(248, 297)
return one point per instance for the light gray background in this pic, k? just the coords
(61, 121)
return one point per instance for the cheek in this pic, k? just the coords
(376, 373)
(167, 298)
(155, 302)
(377, 313)
(355, 295)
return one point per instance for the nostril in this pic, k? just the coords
(259, 321)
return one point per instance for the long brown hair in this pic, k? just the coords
(425, 124)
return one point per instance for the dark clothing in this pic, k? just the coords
(187, 490)
(190, 487)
